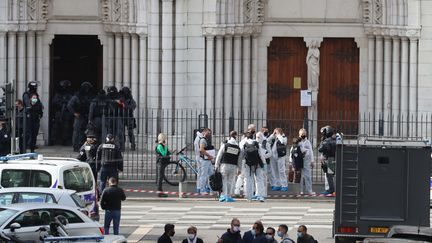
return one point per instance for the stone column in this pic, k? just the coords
(31, 55)
(167, 54)
(219, 96)
(39, 55)
(387, 83)
(228, 80)
(180, 66)
(3, 61)
(154, 57)
(210, 80)
(104, 43)
(126, 60)
(413, 86)
(45, 85)
(118, 61)
(379, 62)
(255, 93)
(246, 84)
(371, 77)
(237, 74)
(395, 93)
(404, 90)
(142, 99)
(21, 67)
(11, 60)
(111, 70)
(134, 67)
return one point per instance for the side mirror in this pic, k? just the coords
(14, 226)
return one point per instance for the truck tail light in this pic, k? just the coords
(348, 230)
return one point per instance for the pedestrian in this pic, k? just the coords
(241, 179)
(228, 162)
(249, 235)
(168, 233)
(254, 168)
(266, 148)
(328, 150)
(88, 152)
(192, 236)
(283, 234)
(232, 235)
(115, 116)
(19, 124)
(110, 201)
(63, 119)
(258, 233)
(163, 158)
(130, 122)
(303, 236)
(207, 154)
(109, 160)
(5, 140)
(279, 143)
(32, 89)
(270, 235)
(34, 114)
(79, 106)
(308, 163)
(197, 139)
(98, 108)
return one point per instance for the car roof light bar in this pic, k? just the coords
(19, 156)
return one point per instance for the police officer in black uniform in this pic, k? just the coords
(88, 152)
(98, 107)
(34, 113)
(79, 106)
(32, 89)
(130, 122)
(19, 124)
(5, 140)
(109, 160)
(328, 150)
(63, 119)
(115, 116)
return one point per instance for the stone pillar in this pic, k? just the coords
(228, 80)
(167, 54)
(126, 60)
(45, 85)
(134, 68)
(31, 55)
(104, 43)
(142, 99)
(3, 61)
(404, 87)
(254, 78)
(246, 84)
(39, 55)
(111, 69)
(11, 60)
(154, 58)
(395, 93)
(21, 67)
(219, 96)
(180, 66)
(387, 83)
(237, 74)
(378, 80)
(118, 61)
(371, 78)
(210, 80)
(413, 86)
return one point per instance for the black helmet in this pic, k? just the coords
(86, 86)
(327, 131)
(109, 138)
(65, 83)
(125, 90)
(32, 85)
(91, 135)
(112, 90)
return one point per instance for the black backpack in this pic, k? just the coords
(281, 149)
(215, 181)
(297, 157)
(251, 154)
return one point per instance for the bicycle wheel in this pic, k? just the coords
(174, 173)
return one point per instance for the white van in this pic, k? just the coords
(33, 170)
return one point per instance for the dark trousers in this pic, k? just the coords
(112, 215)
(160, 169)
(105, 173)
(78, 136)
(32, 132)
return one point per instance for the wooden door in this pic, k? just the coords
(338, 97)
(286, 61)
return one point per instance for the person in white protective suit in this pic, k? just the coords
(228, 162)
(267, 154)
(267, 146)
(308, 163)
(207, 154)
(278, 164)
(254, 168)
(241, 179)
(197, 158)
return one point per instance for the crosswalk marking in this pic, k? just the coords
(139, 233)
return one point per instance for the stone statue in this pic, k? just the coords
(312, 61)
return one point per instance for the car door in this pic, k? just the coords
(30, 221)
(76, 224)
(6, 198)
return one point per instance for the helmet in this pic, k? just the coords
(109, 138)
(125, 90)
(112, 90)
(327, 131)
(32, 85)
(91, 135)
(65, 83)
(86, 86)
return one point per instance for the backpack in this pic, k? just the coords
(297, 157)
(215, 181)
(281, 149)
(251, 154)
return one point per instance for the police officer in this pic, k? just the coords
(5, 141)
(88, 152)
(130, 122)
(34, 113)
(32, 89)
(228, 162)
(98, 107)
(114, 120)
(109, 160)
(19, 124)
(62, 117)
(328, 150)
(79, 106)
(207, 154)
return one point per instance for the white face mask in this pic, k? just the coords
(191, 236)
(236, 229)
(269, 237)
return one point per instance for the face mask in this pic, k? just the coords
(280, 234)
(253, 232)
(236, 229)
(303, 136)
(191, 236)
(269, 237)
(266, 134)
(34, 100)
(300, 234)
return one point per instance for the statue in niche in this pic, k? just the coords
(312, 61)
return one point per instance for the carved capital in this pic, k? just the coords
(313, 42)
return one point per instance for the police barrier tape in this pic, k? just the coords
(196, 194)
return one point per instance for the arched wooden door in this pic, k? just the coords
(338, 96)
(286, 62)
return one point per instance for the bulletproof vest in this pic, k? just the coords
(329, 147)
(231, 154)
(90, 150)
(99, 108)
(251, 151)
(108, 157)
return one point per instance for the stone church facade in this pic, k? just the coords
(366, 56)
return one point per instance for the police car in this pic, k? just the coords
(33, 170)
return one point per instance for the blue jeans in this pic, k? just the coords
(113, 215)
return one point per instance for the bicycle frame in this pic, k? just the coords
(183, 159)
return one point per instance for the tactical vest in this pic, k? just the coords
(231, 154)
(90, 150)
(108, 156)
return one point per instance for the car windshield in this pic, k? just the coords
(79, 179)
(5, 214)
(25, 178)
(78, 201)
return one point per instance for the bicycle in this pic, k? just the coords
(175, 171)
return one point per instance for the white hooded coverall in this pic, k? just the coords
(255, 176)
(278, 165)
(306, 175)
(228, 171)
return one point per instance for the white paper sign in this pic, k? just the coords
(305, 98)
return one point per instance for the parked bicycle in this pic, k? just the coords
(175, 171)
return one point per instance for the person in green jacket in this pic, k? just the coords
(163, 158)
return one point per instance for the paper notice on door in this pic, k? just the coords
(297, 83)
(305, 98)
